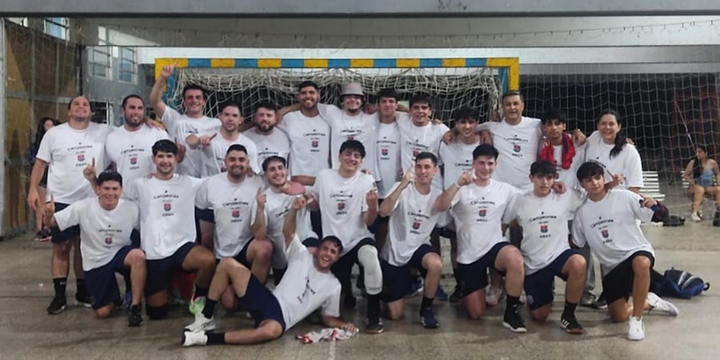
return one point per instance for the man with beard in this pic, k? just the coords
(167, 228)
(268, 140)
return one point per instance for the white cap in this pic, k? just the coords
(352, 89)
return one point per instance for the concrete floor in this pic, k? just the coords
(27, 332)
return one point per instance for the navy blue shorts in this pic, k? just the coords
(379, 220)
(160, 271)
(59, 237)
(278, 275)
(539, 285)
(618, 283)
(396, 279)
(261, 303)
(101, 282)
(474, 276)
(342, 269)
(241, 257)
(207, 215)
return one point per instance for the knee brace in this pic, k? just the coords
(156, 313)
(368, 258)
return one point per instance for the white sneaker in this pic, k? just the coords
(201, 324)
(636, 331)
(695, 217)
(664, 306)
(192, 338)
(493, 295)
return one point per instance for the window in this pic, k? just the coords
(100, 57)
(57, 27)
(128, 64)
(100, 112)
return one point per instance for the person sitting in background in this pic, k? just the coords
(699, 173)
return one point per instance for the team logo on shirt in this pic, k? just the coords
(167, 206)
(108, 240)
(416, 225)
(341, 205)
(314, 143)
(236, 213)
(516, 148)
(384, 151)
(605, 233)
(81, 157)
(133, 160)
(543, 228)
(482, 212)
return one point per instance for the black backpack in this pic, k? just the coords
(677, 283)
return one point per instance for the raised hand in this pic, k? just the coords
(261, 198)
(299, 202)
(559, 187)
(167, 71)
(372, 197)
(89, 171)
(408, 177)
(206, 140)
(181, 151)
(466, 178)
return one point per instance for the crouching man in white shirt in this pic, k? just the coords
(307, 286)
(607, 221)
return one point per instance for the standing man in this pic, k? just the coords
(268, 140)
(68, 148)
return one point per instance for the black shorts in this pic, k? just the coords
(618, 283)
(396, 279)
(261, 303)
(241, 257)
(474, 276)
(101, 282)
(160, 271)
(342, 269)
(539, 285)
(207, 215)
(59, 237)
(278, 275)
(379, 220)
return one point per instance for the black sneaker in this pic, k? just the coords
(83, 299)
(716, 218)
(373, 326)
(600, 304)
(57, 305)
(456, 296)
(427, 319)
(571, 325)
(514, 322)
(135, 316)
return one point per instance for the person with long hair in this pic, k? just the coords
(42, 233)
(704, 178)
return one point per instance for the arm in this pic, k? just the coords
(333, 322)
(49, 213)
(291, 219)
(280, 113)
(688, 173)
(38, 170)
(717, 173)
(157, 90)
(371, 198)
(259, 227)
(445, 199)
(389, 203)
(195, 141)
(305, 180)
(89, 174)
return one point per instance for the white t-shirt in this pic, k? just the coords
(180, 127)
(569, 176)
(518, 147)
(213, 156)
(234, 206)
(68, 152)
(309, 143)
(304, 289)
(342, 203)
(417, 139)
(343, 127)
(478, 213)
(131, 151)
(277, 206)
(274, 144)
(167, 213)
(103, 232)
(544, 221)
(457, 158)
(611, 228)
(627, 162)
(411, 221)
(387, 157)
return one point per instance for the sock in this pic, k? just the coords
(569, 309)
(81, 288)
(373, 307)
(426, 303)
(512, 304)
(60, 284)
(200, 291)
(215, 338)
(209, 308)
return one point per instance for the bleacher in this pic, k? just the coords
(651, 185)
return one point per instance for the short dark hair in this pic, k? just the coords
(109, 175)
(266, 105)
(512, 93)
(192, 87)
(554, 114)
(466, 112)
(420, 98)
(333, 240)
(542, 168)
(590, 169)
(485, 150)
(427, 155)
(353, 145)
(73, 99)
(387, 93)
(164, 145)
(307, 83)
(132, 96)
(230, 104)
(273, 158)
(236, 147)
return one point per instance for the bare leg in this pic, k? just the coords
(77, 258)
(641, 284)
(510, 261)
(574, 269)
(433, 264)
(202, 260)
(135, 260)
(475, 303)
(259, 254)
(268, 330)
(698, 193)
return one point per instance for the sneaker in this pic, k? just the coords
(192, 338)
(374, 326)
(660, 305)
(440, 294)
(493, 295)
(456, 296)
(514, 322)
(201, 324)
(416, 288)
(695, 217)
(135, 316)
(197, 304)
(571, 325)
(636, 330)
(716, 218)
(600, 304)
(128, 299)
(427, 319)
(588, 299)
(83, 299)
(57, 305)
